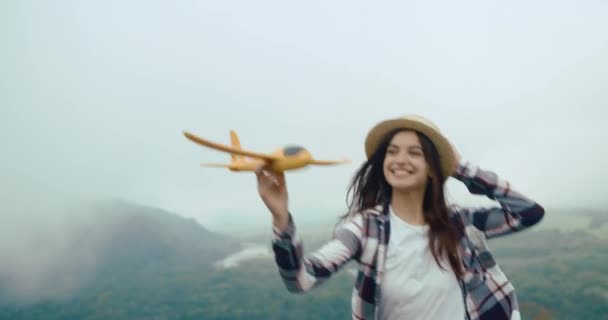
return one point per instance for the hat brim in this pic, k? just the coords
(444, 148)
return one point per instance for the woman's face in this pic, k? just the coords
(405, 167)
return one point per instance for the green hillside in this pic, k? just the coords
(164, 271)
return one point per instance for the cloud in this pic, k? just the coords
(250, 252)
(95, 98)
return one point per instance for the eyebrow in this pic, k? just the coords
(392, 145)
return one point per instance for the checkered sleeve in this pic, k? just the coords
(301, 273)
(515, 211)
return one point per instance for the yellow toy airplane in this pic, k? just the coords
(283, 159)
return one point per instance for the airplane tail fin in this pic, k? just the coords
(329, 162)
(229, 166)
(234, 142)
(217, 165)
(249, 166)
(238, 162)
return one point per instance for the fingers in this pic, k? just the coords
(258, 171)
(280, 178)
(269, 177)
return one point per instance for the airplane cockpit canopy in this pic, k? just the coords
(292, 150)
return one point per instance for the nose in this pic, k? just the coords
(402, 157)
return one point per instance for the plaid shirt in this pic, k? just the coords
(363, 237)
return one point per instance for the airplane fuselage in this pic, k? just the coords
(289, 158)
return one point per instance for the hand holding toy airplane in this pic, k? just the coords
(283, 159)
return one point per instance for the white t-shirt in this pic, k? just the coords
(413, 285)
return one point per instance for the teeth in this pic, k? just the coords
(401, 172)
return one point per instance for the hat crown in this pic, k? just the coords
(419, 124)
(421, 119)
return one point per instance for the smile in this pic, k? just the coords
(401, 172)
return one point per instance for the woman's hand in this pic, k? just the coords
(457, 158)
(273, 191)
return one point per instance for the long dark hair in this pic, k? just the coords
(370, 188)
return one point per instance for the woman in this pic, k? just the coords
(417, 257)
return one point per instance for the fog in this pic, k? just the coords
(94, 97)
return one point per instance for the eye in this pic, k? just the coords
(392, 151)
(416, 152)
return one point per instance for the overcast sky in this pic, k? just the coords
(94, 96)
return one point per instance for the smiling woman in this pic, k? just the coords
(405, 166)
(417, 257)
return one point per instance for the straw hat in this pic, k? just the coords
(447, 158)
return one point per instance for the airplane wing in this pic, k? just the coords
(329, 162)
(228, 149)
